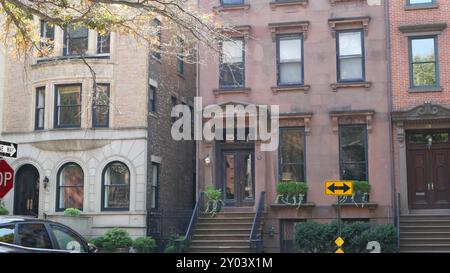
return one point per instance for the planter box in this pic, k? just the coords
(81, 224)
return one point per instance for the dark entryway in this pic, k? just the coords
(26, 191)
(428, 154)
(236, 173)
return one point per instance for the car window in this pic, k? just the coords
(67, 240)
(34, 235)
(7, 234)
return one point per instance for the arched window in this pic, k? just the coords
(116, 187)
(70, 187)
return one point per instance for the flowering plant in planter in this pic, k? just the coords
(292, 192)
(213, 199)
(361, 188)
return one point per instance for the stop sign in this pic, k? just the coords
(6, 178)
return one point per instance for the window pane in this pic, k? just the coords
(291, 73)
(294, 172)
(71, 182)
(7, 234)
(40, 117)
(117, 186)
(232, 51)
(103, 42)
(248, 175)
(232, 75)
(412, 2)
(232, 2)
(69, 95)
(423, 50)
(154, 185)
(292, 145)
(67, 240)
(229, 176)
(355, 172)
(41, 98)
(351, 68)
(290, 49)
(34, 235)
(101, 115)
(69, 116)
(424, 74)
(350, 43)
(76, 40)
(353, 145)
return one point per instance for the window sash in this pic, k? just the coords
(152, 99)
(344, 163)
(101, 105)
(82, 37)
(157, 53)
(155, 186)
(231, 2)
(283, 62)
(424, 2)
(341, 57)
(412, 63)
(232, 72)
(61, 188)
(282, 162)
(40, 108)
(103, 43)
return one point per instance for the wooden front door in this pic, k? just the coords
(26, 191)
(428, 154)
(236, 175)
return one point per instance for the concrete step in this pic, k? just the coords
(220, 237)
(425, 247)
(424, 240)
(215, 243)
(237, 209)
(228, 215)
(425, 222)
(425, 216)
(424, 234)
(423, 228)
(225, 219)
(221, 230)
(228, 225)
(218, 249)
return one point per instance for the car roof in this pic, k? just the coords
(19, 218)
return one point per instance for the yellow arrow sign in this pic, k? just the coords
(339, 187)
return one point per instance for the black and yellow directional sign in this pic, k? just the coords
(339, 187)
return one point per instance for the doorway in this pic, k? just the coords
(236, 174)
(428, 163)
(26, 191)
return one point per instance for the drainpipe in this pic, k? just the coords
(197, 94)
(389, 101)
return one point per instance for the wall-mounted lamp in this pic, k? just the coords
(46, 180)
(271, 231)
(207, 160)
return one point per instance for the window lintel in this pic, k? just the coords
(343, 23)
(289, 28)
(351, 117)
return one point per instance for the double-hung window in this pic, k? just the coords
(350, 55)
(232, 2)
(47, 35)
(180, 57)
(157, 48)
(100, 106)
(103, 43)
(290, 59)
(353, 152)
(75, 40)
(423, 62)
(155, 185)
(68, 106)
(232, 71)
(292, 154)
(40, 108)
(420, 2)
(152, 99)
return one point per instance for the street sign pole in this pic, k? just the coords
(339, 215)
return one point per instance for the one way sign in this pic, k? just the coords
(339, 187)
(8, 149)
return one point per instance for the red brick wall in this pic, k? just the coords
(399, 53)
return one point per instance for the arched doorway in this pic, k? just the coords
(26, 191)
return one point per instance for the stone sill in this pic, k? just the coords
(287, 88)
(333, 2)
(96, 58)
(304, 205)
(288, 3)
(225, 91)
(423, 6)
(369, 205)
(425, 89)
(225, 8)
(336, 86)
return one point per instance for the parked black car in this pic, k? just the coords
(32, 235)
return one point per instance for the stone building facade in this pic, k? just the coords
(85, 151)
(324, 63)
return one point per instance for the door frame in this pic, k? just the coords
(17, 187)
(420, 147)
(222, 148)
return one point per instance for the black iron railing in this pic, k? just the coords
(184, 243)
(256, 235)
(397, 221)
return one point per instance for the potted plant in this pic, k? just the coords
(144, 245)
(213, 200)
(291, 192)
(115, 240)
(361, 188)
(72, 212)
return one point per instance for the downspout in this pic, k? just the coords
(389, 101)
(197, 94)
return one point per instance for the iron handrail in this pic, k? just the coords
(398, 221)
(182, 244)
(256, 235)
